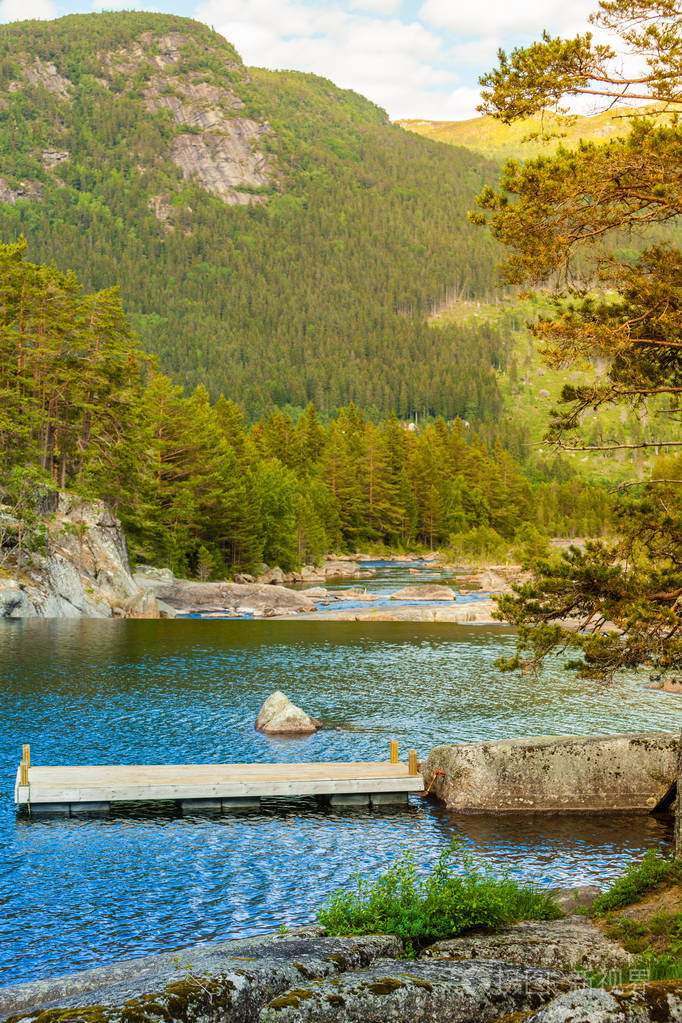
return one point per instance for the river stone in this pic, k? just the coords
(633, 773)
(399, 991)
(560, 944)
(654, 1002)
(279, 716)
(424, 591)
(227, 982)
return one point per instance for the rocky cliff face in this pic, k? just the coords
(83, 572)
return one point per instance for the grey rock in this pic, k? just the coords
(572, 899)
(228, 981)
(279, 716)
(654, 1002)
(555, 773)
(15, 604)
(424, 591)
(398, 991)
(246, 598)
(165, 610)
(149, 573)
(560, 944)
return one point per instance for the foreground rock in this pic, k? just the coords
(228, 981)
(84, 572)
(279, 716)
(419, 992)
(425, 591)
(560, 944)
(556, 773)
(656, 1002)
(308, 977)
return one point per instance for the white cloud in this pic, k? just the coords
(505, 18)
(424, 64)
(400, 65)
(23, 10)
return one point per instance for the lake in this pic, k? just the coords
(75, 893)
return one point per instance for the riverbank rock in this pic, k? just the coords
(424, 591)
(611, 773)
(279, 716)
(559, 944)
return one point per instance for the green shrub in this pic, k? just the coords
(636, 882)
(421, 910)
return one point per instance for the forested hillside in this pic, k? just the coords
(82, 406)
(273, 236)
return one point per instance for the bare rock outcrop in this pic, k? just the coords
(578, 774)
(84, 571)
(279, 716)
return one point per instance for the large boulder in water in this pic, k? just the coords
(426, 591)
(279, 716)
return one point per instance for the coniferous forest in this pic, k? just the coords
(196, 487)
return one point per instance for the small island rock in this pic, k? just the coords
(279, 716)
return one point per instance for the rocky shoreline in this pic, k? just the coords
(531, 971)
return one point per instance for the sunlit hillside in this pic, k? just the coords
(494, 139)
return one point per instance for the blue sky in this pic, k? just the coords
(416, 58)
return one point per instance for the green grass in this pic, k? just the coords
(639, 879)
(456, 896)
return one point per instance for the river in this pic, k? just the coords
(78, 892)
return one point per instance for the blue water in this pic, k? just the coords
(74, 893)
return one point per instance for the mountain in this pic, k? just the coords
(499, 141)
(274, 237)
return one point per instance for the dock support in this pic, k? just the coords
(349, 799)
(214, 807)
(50, 809)
(203, 806)
(99, 809)
(389, 799)
(394, 751)
(26, 753)
(413, 766)
(239, 804)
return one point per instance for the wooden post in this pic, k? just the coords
(678, 808)
(23, 773)
(412, 761)
(26, 754)
(394, 751)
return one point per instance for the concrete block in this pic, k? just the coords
(50, 809)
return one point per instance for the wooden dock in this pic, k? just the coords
(211, 788)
